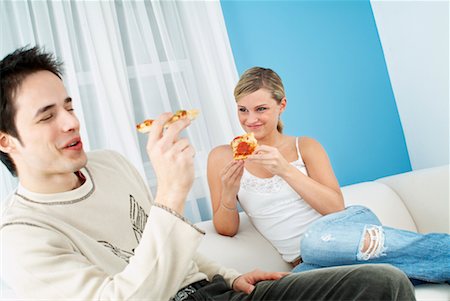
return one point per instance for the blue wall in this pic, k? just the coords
(329, 56)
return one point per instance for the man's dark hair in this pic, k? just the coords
(14, 68)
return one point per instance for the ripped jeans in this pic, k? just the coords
(355, 236)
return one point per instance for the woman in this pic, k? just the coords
(289, 191)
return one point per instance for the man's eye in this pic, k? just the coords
(48, 117)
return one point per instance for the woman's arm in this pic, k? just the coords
(224, 176)
(321, 188)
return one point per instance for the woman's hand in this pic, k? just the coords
(271, 159)
(231, 176)
(246, 282)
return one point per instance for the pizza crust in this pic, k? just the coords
(145, 126)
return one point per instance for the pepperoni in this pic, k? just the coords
(243, 148)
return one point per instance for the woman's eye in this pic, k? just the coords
(261, 109)
(242, 110)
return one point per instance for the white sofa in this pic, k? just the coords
(416, 201)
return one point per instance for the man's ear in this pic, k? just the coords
(6, 143)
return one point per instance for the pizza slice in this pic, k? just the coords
(243, 146)
(144, 127)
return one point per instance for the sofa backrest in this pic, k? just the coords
(383, 201)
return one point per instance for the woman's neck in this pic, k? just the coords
(276, 140)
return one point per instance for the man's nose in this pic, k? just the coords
(69, 122)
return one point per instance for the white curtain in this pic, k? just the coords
(126, 61)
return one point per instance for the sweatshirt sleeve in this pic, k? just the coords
(211, 268)
(57, 269)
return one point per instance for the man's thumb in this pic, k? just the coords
(249, 288)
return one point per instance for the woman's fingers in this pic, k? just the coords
(232, 173)
(233, 168)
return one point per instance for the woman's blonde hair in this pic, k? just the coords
(257, 78)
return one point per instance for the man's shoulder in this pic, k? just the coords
(99, 154)
(109, 161)
(105, 157)
(7, 204)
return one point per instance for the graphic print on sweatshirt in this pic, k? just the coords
(138, 219)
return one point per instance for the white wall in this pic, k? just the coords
(415, 40)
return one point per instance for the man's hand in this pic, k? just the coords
(172, 160)
(246, 282)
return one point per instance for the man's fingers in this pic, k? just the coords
(277, 275)
(174, 129)
(168, 137)
(249, 289)
(190, 151)
(157, 128)
(181, 145)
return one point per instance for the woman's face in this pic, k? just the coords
(258, 112)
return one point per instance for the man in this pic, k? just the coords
(83, 226)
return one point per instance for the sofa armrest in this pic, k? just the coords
(383, 201)
(425, 193)
(245, 251)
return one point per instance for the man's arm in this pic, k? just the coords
(211, 268)
(49, 265)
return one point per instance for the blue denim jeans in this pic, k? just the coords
(355, 236)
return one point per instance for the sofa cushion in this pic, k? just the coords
(432, 292)
(244, 252)
(383, 201)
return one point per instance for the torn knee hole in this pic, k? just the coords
(373, 245)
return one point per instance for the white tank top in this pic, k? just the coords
(278, 212)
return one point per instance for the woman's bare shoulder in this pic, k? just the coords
(309, 146)
(221, 152)
(307, 141)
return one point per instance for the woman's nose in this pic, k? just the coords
(252, 118)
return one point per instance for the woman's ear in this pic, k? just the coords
(283, 104)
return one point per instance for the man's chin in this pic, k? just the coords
(81, 161)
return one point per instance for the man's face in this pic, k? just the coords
(50, 143)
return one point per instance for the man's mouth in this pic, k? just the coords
(74, 144)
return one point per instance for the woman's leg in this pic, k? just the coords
(328, 241)
(347, 238)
